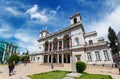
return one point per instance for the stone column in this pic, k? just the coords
(66, 58)
(58, 58)
(52, 61)
(73, 64)
(11, 49)
(102, 57)
(52, 46)
(48, 59)
(43, 58)
(3, 57)
(62, 58)
(62, 44)
(58, 45)
(14, 49)
(93, 57)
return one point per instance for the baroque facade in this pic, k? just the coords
(72, 44)
(6, 49)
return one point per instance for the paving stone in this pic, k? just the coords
(68, 78)
(74, 74)
(22, 71)
(0, 72)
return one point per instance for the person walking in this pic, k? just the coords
(25, 62)
(10, 67)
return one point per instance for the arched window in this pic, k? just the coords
(60, 44)
(75, 20)
(46, 46)
(55, 42)
(66, 41)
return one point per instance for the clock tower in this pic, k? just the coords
(75, 19)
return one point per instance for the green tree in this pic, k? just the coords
(113, 40)
(14, 57)
(25, 57)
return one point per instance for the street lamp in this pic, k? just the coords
(115, 55)
(51, 60)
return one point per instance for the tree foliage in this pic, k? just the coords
(14, 57)
(25, 57)
(113, 39)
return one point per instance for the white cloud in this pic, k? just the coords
(58, 7)
(35, 14)
(111, 19)
(12, 32)
(53, 12)
(26, 40)
(44, 15)
(5, 31)
(13, 11)
(33, 9)
(43, 11)
(31, 47)
(112, 3)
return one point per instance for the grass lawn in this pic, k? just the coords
(49, 75)
(94, 76)
(61, 74)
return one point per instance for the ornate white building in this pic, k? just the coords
(72, 44)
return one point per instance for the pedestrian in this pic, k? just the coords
(14, 63)
(10, 67)
(25, 62)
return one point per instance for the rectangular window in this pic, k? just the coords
(78, 58)
(89, 56)
(90, 42)
(50, 48)
(106, 55)
(97, 56)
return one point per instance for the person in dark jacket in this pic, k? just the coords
(11, 67)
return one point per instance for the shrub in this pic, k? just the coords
(80, 67)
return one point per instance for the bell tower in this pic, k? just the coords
(44, 33)
(76, 18)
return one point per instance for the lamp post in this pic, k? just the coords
(115, 55)
(52, 61)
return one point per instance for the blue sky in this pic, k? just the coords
(22, 20)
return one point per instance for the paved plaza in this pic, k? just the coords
(21, 70)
